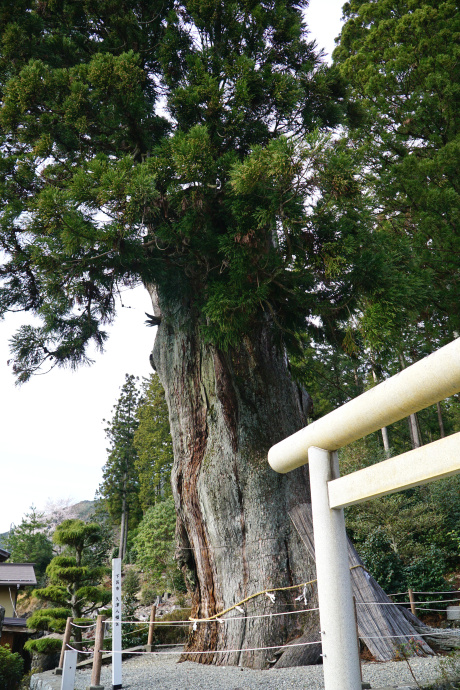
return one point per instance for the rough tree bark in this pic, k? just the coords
(233, 529)
(235, 536)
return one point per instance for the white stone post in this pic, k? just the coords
(338, 628)
(116, 624)
(69, 670)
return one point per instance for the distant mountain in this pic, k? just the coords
(58, 512)
(84, 509)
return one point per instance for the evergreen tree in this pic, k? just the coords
(213, 208)
(73, 587)
(401, 60)
(154, 547)
(29, 542)
(132, 634)
(120, 486)
(153, 444)
(100, 553)
(235, 78)
(404, 539)
(11, 668)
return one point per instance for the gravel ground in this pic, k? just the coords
(155, 671)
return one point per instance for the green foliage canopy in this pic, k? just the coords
(120, 486)
(44, 645)
(153, 443)
(11, 669)
(29, 542)
(402, 61)
(154, 546)
(72, 584)
(207, 202)
(404, 539)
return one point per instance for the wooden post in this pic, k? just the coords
(153, 613)
(357, 638)
(65, 642)
(97, 658)
(440, 422)
(364, 686)
(412, 602)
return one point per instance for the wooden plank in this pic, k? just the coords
(378, 618)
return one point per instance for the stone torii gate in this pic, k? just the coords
(427, 382)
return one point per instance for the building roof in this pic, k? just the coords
(4, 555)
(17, 574)
(14, 623)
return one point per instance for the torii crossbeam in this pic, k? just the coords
(427, 382)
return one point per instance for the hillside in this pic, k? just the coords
(58, 512)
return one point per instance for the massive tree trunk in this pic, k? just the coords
(234, 533)
(235, 536)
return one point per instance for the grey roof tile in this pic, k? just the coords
(17, 574)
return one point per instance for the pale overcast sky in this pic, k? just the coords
(52, 443)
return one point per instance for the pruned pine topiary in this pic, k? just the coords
(44, 645)
(49, 619)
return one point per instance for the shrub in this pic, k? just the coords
(11, 669)
(426, 573)
(49, 619)
(131, 584)
(132, 634)
(44, 645)
(154, 546)
(173, 634)
(148, 594)
(406, 540)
